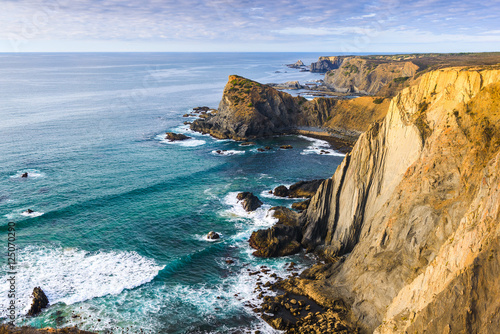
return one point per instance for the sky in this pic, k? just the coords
(249, 26)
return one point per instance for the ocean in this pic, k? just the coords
(116, 236)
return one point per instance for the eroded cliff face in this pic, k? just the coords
(360, 75)
(250, 110)
(414, 211)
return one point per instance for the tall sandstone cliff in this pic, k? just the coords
(414, 212)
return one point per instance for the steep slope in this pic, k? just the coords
(250, 110)
(414, 210)
(359, 75)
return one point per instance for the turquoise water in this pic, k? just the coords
(120, 215)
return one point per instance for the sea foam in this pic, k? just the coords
(71, 275)
(318, 145)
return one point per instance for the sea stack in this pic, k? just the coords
(40, 301)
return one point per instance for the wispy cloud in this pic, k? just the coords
(223, 22)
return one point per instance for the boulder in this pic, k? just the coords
(213, 235)
(286, 147)
(40, 301)
(249, 201)
(29, 211)
(25, 174)
(281, 191)
(176, 136)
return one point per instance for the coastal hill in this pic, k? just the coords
(409, 223)
(386, 75)
(251, 110)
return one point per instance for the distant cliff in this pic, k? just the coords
(251, 110)
(413, 211)
(386, 75)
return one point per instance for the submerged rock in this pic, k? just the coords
(29, 211)
(249, 201)
(213, 235)
(25, 174)
(40, 301)
(176, 136)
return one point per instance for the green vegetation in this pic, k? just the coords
(250, 105)
(400, 79)
(378, 100)
(350, 69)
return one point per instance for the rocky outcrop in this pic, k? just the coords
(213, 235)
(280, 240)
(298, 65)
(249, 201)
(290, 85)
(40, 301)
(413, 212)
(301, 189)
(325, 64)
(304, 189)
(175, 136)
(250, 110)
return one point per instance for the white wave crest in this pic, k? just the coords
(72, 275)
(321, 147)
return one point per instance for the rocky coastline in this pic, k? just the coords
(409, 218)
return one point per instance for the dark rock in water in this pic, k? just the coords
(304, 189)
(29, 211)
(200, 109)
(301, 206)
(297, 64)
(176, 136)
(25, 174)
(280, 240)
(250, 202)
(267, 148)
(248, 143)
(213, 235)
(260, 149)
(286, 147)
(285, 216)
(281, 191)
(40, 301)
(187, 123)
(186, 115)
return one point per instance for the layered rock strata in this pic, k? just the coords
(413, 212)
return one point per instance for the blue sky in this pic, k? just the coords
(241, 25)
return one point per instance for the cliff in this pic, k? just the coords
(386, 75)
(413, 212)
(251, 110)
(358, 75)
(325, 64)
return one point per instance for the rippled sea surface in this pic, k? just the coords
(116, 236)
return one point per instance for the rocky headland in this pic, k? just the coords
(250, 110)
(407, 229)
